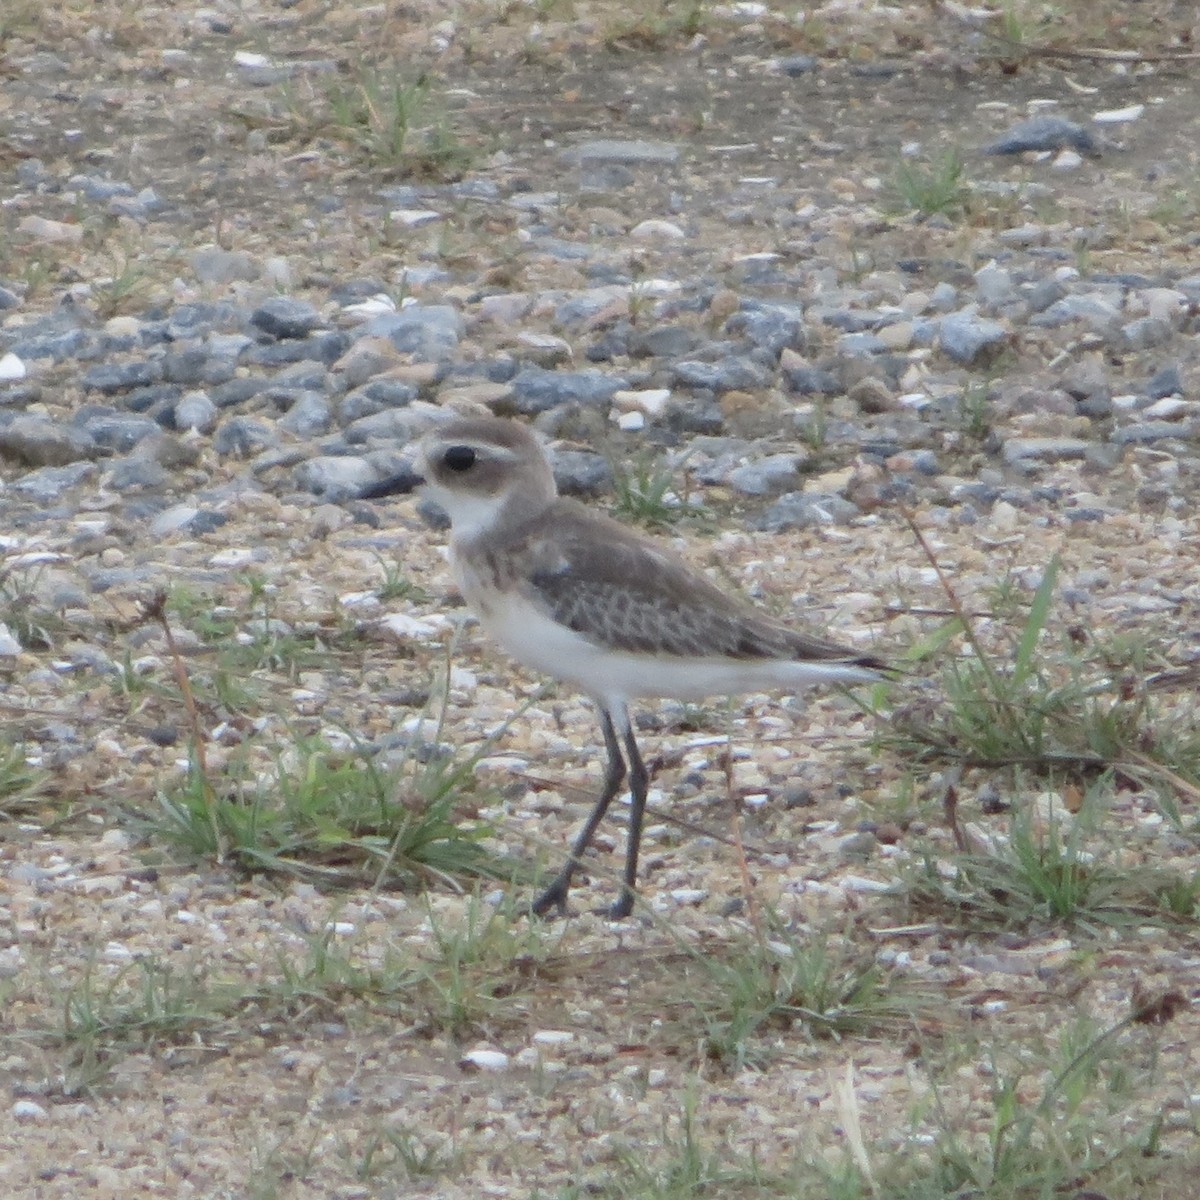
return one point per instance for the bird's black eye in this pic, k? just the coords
(459, 458)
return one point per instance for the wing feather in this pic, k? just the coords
(627, 594)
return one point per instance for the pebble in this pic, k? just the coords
(484, 1060)
(969, 339)
(285, 317)
(11, 368)
(1044, 133)
(626, 153)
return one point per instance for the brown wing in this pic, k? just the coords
(629, 594)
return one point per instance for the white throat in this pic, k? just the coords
(471, 517)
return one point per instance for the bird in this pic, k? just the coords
(576, 595)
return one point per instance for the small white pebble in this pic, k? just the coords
(484, 1060)
(856, 883)
(1118, 116)
(654, 229)
(27, 1110)
(412, 217)
(403, 627)
(11, 367)
(552, 1037)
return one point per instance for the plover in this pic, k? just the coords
(573, 594)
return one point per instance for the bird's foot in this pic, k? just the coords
(553, 898)
(621, 907)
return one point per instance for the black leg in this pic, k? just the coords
(638, 782)
(555, 896)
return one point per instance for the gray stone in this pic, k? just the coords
(241, 437)
(237, 391)
(806, 380)
(211, 264)
(40, 442)
(860, 345)
(335, 478)
(401, 425)
(285, 317)
(628, 153)
(663, 341)
(133, 473)
(196, 411)
(801, 510)
(114, 430)
(51, 482)
(735, 373)
(1146, 332)
(429, 332)
(309, 415)
(536, 390)
(969, 339)
(995, 285)
(774, 328)
(1044, 133)
(1167, 381)
(768, 476)
(581, 473)
(944, 297)
(797, 64)
(1145, 432)
(121, 377)
(189, 366)
(1043, 449)
(1097, 310)
(1043, 293)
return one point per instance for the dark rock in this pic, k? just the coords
(797, 64)
(806, 380)
(309, 415)
(285, 317)
(800, 510)
(120, 377)
(40, 442)
(114, 430)
(196, 411)
(335, 478)
(430, 333)
(663, 341)
(130, 474)
(581, 473)
(536, 390)
(1044, 133)
(969, 340)
(1167, 381)
(51, 482)
(240, 437)
(236, 391)
(737, 373)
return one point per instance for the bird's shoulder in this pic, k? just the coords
(574, 543)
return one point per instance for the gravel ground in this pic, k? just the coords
(679, 247)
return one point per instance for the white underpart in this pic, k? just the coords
(470, 516)
(615, 676)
